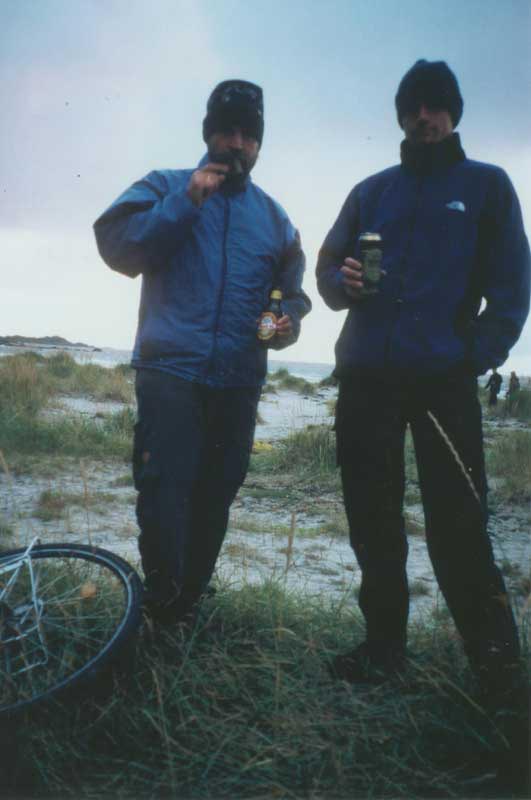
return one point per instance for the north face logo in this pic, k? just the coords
(456, 205)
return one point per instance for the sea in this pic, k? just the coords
(111, 357)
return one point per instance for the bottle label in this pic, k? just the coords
(267, 326)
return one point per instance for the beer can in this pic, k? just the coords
(371, 259)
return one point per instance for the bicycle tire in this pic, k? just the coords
(79, 588)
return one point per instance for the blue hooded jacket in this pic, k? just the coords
(452, 237)
(207, 274)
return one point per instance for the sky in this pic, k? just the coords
(96, 93)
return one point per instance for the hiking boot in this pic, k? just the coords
(363, 666)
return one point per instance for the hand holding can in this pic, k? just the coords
(352, 273)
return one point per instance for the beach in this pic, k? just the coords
(284, 526)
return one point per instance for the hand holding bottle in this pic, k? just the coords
(273, 321)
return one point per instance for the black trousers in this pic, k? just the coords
(191, 453)
(371, 422)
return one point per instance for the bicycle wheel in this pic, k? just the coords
(66, 611)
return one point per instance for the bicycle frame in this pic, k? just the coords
(19, 622)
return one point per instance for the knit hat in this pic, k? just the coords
(235, 102)
(433, 84)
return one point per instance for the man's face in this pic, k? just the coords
(237, 148)
(427, 125)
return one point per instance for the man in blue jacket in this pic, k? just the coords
(452, 237)
(210, 246)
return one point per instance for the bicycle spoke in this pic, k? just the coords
(62, 621)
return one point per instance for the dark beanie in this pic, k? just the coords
(235, 102)
(430, 83)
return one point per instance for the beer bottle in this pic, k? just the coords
(268, 319)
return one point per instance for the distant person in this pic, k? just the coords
(409, 354)
(514, 385)
(494, 385)
(210, 246)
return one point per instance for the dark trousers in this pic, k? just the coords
(493, 397)
(372, 417)
(191, 452)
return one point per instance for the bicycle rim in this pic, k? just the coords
(62, 619)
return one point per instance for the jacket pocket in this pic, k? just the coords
(145, 470)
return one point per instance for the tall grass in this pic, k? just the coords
(519, 405)
(24, 387)
(69, 436)
(242, 706)
(285, 380)
(509, 459)
(27, 385)
(99, 383)
(311, 450)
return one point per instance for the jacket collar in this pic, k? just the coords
(427, 158)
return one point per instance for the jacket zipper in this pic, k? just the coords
(221, 288)
(402, 271)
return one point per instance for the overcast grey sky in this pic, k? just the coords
(95, 93)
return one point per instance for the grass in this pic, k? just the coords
(93, 380)
(52, 505)
(311, 450)
(519, 406)
(28, 375)
(123, 480)
(67, 436)
(509, 459)
(25, 388)
(28, 384)
(6, 529)
(285, 380)
(331, 380)
(242, 706)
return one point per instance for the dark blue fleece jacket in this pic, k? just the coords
(452, 237)
(206, 275)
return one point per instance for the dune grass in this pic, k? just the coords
(25, 388)
(28, 383)
(109, 437)
(28, 380)
(310, 450)
(54, 504)
(519, 405)
(509, 460)
(92, 380)
(242, 706)
(283, 379)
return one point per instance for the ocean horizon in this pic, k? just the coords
(111, 357)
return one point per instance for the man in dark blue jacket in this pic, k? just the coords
(452, 237)
(210, 246)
